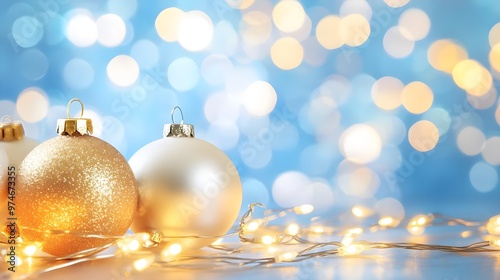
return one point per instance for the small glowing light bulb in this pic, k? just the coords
(285, 257)
(357, 230)
(416, 230)
(350, 250)
(254, 225)
(347, 240)
(421, 221)
(493, 225)
(30, 250)
(303, 209)
(133, 245)
(141, 264)
(357, 211)
(466, 233)
(318, 229)
(292, 229)
(272, 249)
(361, 211)
(267, 239)
(174, 249)
(388, 222)
(495, 242)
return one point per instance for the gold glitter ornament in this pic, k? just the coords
(187, 188)
(76, 183)
(14, 147)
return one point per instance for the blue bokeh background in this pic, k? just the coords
(134, 115)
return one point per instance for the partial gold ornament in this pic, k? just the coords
(188, 188)
(75, 183)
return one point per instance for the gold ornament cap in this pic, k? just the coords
(71, 126)
(178, 129)
(11, 130)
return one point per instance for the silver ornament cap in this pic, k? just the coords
(178, 129)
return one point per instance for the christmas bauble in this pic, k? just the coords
(187, 187)
(78, 183)
(14, 147)
(14, 142)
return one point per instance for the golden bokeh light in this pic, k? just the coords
(240, 4)
(328, 32)
(388, 221)
(396, 3)
(415, 24)
(354, 30)
(423, 136)
(32, 105)
(255, 28)
(360, 143)
(293, 229)
(494, 35)
(416, 230)
(386, 93)
(495, 57)
(175, 249)
(287, 53)
(471, 76)
(167, 24)
(417, 97)
(443, 55)
(289, 16)
(361, 211)
(123, 70)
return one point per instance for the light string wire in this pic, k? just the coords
(256, 239)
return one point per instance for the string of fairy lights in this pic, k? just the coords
(262, 241)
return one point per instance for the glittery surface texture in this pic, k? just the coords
(76, 183)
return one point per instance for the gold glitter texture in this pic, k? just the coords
(76, 183)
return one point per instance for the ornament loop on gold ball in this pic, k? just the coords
(7, 119)
(173, 112)
(69, 105)
(78, 125)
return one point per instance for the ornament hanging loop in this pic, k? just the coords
(72, 126)
(7, 119)
(178, 129)
(173, 112)
(69, 106)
